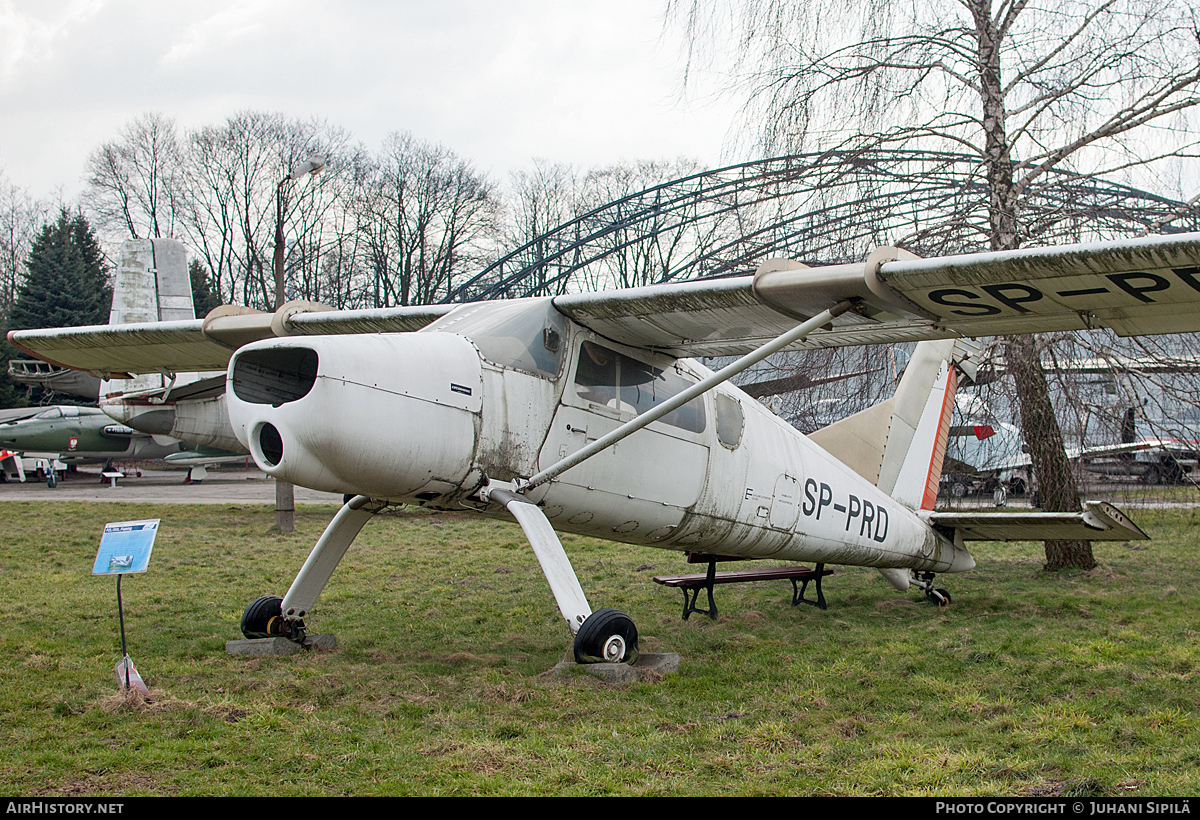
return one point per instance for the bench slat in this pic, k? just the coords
(739, 575)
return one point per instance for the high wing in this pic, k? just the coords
(1134, 287)
(198, 345)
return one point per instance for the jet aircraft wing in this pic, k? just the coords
(1135, 287)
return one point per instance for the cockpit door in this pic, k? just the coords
(644, 483)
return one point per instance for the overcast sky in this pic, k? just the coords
(498, 82)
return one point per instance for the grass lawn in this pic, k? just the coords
(1029, 684)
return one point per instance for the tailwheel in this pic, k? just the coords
(607, 636)
(938, 596)
(263, 618)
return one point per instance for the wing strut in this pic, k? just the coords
(724, 374)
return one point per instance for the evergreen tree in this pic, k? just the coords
(203, 299)
(66, 282)
(66, 285)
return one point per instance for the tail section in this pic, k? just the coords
(899, 444)
(151, 283)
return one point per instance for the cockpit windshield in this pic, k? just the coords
(524, 334)
(58, 413)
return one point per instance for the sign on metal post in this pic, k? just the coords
(125, 548)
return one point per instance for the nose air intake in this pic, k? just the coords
(270, 444)
(275, 375)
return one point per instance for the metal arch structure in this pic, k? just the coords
(820, 208)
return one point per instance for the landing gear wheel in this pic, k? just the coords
(52, 481)
(607, 636)
(263, 618)
(938, 596)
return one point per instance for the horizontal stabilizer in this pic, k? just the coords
(1099, 521)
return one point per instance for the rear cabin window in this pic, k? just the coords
(730, 421)
(610, 379)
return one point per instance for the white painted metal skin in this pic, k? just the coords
(427, 418)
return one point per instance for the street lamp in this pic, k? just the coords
(285, 495)
(313, 165)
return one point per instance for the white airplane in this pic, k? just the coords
(583, 413)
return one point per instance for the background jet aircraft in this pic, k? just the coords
(81, 435)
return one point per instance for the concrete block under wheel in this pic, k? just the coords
(649, 666)
(261, 647)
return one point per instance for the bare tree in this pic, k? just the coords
(134, 181)
(233, 174)
(539, 201)
(1028, 86)
(426, 216)
(644, 253)
(21, 217)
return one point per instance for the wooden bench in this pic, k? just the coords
(707, 580)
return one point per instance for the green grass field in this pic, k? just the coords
(1030, 684)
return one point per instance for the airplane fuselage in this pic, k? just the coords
(499, 392)
(82, 434)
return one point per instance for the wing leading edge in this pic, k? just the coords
(205, 344)
(1135, 287)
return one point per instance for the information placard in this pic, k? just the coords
(125, 547)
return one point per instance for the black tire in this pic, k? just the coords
(938, 596)
(1172, 472)
(52, 481)
(958, 490)
(596, 632)
(1152, 475)
(256, 620)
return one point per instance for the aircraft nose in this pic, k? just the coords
(385, 415)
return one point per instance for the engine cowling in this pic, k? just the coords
(384, 415)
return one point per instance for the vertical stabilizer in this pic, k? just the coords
(151, 283)
(899, 444)
(916, 445)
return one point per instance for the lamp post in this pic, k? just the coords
(285, 496)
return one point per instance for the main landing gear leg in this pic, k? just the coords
(272, 616)
(603, 636)
(937, 596)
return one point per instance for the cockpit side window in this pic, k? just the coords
(616, 381)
